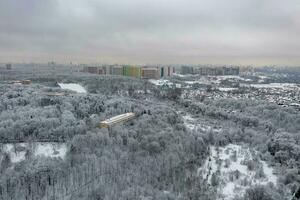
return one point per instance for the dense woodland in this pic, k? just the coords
(154, 156)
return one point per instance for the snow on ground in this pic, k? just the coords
(15, 156)
(232, 77)
(17, 152)
(161, 82)
(177, 85)
(189, 122)
(269, 173)
(229, 165)
(271, 85)
(51, 150)
(262, 77)
(72, 86)
(183, 75)
(223, 89)
(200, 81)
(192, 124)
(215, 79)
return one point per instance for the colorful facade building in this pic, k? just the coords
(132, 71)
(149, 73)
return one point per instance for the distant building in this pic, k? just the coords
(8, 66)
(102, 70)
(132, 71)
(117, 70)
(26, 82)
(246, 70)
(116, 120)
(231, 70)
(149, 73)
(187, 70)
(91, 69)
(217, 71)
(109, 69)
(165, 71)
(21, 82)
(170, 71)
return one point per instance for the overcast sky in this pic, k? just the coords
(151, 31)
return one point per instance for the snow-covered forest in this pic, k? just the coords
(183, 144)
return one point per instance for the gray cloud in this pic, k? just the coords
(151, 31)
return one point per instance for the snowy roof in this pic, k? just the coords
(117, 119)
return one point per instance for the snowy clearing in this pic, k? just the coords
(17, 152)
(72, 86)
(233, 169)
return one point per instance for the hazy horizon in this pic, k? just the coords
(250, 32)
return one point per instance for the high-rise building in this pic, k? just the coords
(217, 71)
(132, 71)
(102, 70)
(246, 70)
(91, 69)
(187, 70)
(117, 70)
(149, 73)
(8, 66)
(165, 71)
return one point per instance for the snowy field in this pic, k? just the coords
(72, 86)
(234, 168)
(17, 152)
